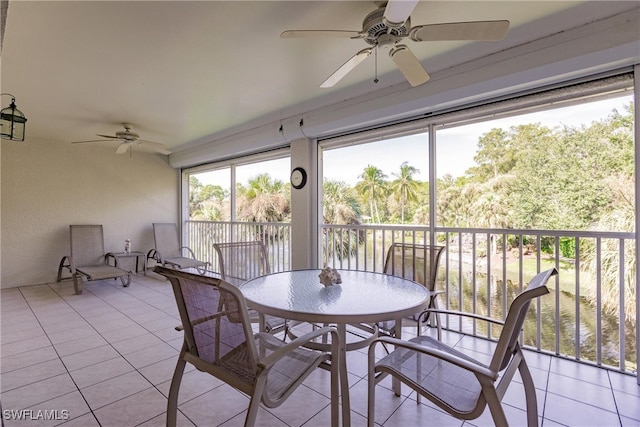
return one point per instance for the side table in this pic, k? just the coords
(137, 254)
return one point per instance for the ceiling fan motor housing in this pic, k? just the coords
(379, 33)
(127, 135)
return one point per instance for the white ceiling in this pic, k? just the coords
(183, 72)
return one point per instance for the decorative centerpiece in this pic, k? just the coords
(127, 246)
(329, 276)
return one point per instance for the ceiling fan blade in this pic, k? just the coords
(477, 30)
(93, 140)
(153, 147)
(398, 11)
(410, 66)
(321, 33)
(123, 147)
(346, 67)
(108, 136)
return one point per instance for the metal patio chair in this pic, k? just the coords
(219, 340)
(169, 253)
(455, 382)
(242, 261)
(88, 259)
(419, 263)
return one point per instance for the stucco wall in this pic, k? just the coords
(48, 185)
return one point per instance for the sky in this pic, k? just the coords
(456, 147)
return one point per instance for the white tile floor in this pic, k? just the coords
(105, 358)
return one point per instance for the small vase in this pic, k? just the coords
(127, 246)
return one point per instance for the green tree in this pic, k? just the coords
(404, 187)
(207, 202)
(420, 206)
(264, 199)
(372, 187)
(622, 217)
(339, 204)
(495, 155)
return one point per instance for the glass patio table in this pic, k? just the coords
(362, 297)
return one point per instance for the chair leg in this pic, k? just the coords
(497, 412)
(371, 380)
(78, 284)
(172, 401)
(254, 403)
(530, 394)
(127, 282)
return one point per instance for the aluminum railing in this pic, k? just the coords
(589, 316)
(201, 235)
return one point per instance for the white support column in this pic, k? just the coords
(304, 203)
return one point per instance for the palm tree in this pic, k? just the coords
(372, 188)
(263, 200)
(404, 187)
(339, 204)
(620, 219)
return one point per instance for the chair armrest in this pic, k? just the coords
(447, 357)
(464, 314)
(152, 254)
(191, 254)
(270, 360)
(70, 266)
(157, 256)
(108, 255)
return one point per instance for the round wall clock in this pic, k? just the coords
(298, 178)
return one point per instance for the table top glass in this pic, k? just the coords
(361, 297)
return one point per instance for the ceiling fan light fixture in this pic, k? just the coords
(12, 121)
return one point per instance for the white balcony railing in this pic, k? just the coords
(589, 316)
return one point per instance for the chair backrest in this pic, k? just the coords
(414, 262)
(87, 244)
(515, 319)
(217, 328)
(242, 261)
(166, 239)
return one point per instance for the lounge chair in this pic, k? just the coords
(88, 259)
(169, 253)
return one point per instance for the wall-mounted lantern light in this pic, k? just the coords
(12, 121)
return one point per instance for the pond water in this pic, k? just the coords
(556, 331)
(490, 297)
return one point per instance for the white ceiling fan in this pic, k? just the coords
(386, 26)
(127, 140)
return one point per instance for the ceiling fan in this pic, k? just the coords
(385, 27)
(127, 140)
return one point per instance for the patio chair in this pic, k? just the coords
(219, 340)
(242, 261)
(457, 383)
(418, 263)
(88, 258)
(169, 252)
